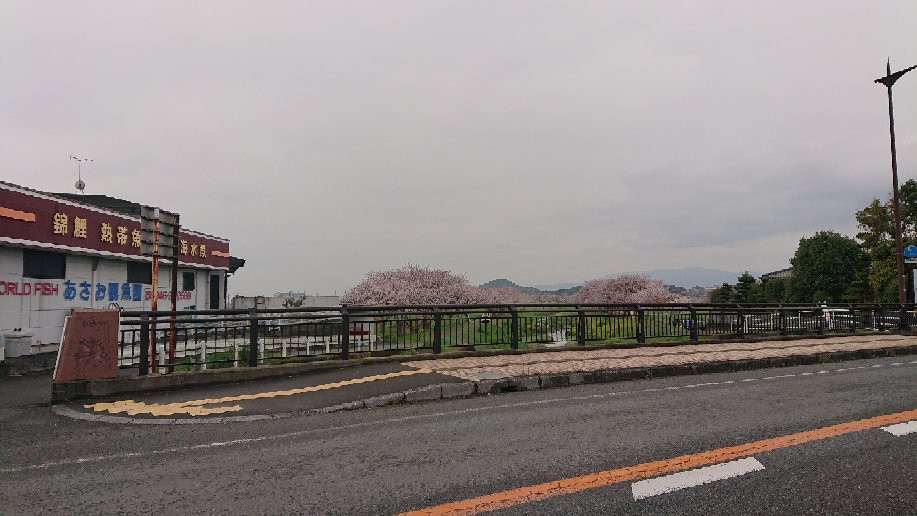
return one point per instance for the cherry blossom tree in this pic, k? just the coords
(629, 288)
(416, 285)
(412, 285)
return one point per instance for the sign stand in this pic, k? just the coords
(158, 238)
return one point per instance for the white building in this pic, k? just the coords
(63, 251)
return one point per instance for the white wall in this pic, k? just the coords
(43, 315)
(11, 307)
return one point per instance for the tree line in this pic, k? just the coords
(835, 268)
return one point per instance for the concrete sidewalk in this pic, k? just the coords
(425, 380)
(562, 362)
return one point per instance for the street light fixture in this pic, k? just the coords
(888, 81)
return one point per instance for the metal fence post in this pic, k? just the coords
(693, 323)
(345, 334)
(641, 329)
(437, 331)
(144, 345)
(580, 326)
(853, 318)
(253, 337)
(514, 328)
(740, 322)
(782, 323)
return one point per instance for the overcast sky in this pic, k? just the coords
(544, 142)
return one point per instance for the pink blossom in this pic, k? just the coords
(412, 285)
(626, 289)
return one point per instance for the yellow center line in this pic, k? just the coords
(571, 485)
(199, 407)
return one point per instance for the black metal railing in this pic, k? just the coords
(205, 339)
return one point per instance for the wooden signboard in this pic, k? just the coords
(89, 347)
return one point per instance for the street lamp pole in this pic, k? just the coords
(888, 81)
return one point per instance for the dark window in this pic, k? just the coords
(139, 273)
(214, 291)
(43, 264)
(187, 281)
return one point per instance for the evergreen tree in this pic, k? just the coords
(825, 266)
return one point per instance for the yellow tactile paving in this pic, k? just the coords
(199, 408)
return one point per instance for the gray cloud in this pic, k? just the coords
(540, 141)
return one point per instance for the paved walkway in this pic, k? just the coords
(487, 368)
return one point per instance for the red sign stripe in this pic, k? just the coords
(16, 214)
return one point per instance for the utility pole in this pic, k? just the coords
(888, 81)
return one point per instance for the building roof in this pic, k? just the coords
(30, 202)
(782, 273)
(103, 201)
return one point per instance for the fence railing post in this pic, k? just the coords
(253, 337)
(641, 328)
(437, 331)
(740, 322)
(514, 328)
(144, 345)
(694, 323)
(782, 321)
(580, 326)
(345, 334)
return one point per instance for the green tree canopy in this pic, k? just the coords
(877, 234)
(825, 266)
(774, 290)
(747, 289)
(724, 294)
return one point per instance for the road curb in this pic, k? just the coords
(470, 389)
(90, 389)
(558, 380)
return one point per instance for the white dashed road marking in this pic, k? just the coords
(695, 477)
(908, 427)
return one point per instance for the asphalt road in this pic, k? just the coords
(406, 457)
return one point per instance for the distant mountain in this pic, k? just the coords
(686, 277)
(505, 283)
(558, 286)
(689, 276)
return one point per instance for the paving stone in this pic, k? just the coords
(352, 405)
(549, 381)
(430, 392)
(704, 357)
(386, 399)
(526, 383)
(491, 386)
(458, 390)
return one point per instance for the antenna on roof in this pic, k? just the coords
(80, 184)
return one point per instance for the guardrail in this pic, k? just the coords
(166, 341)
